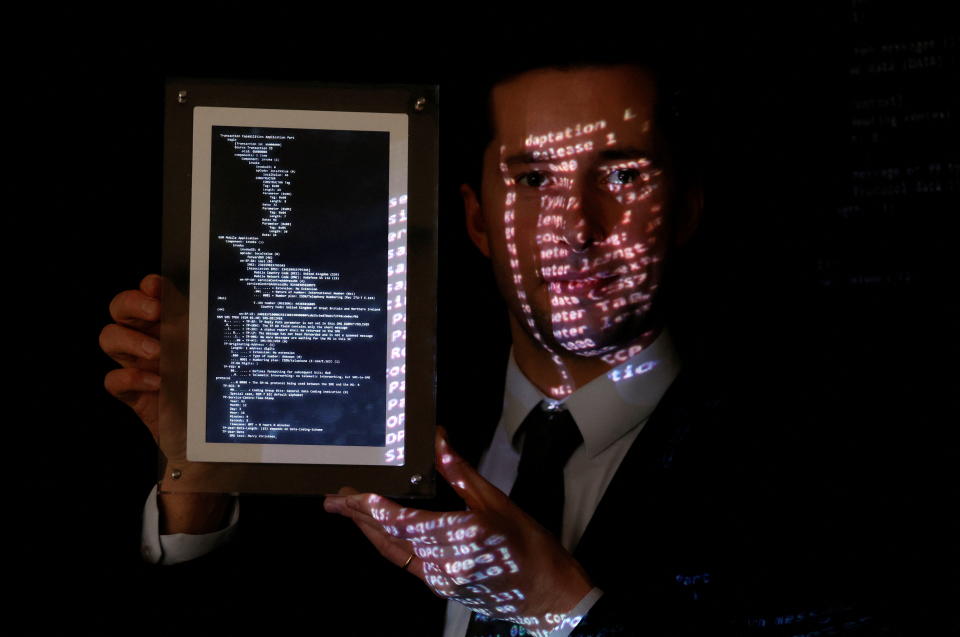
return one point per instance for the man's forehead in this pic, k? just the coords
(546, 99)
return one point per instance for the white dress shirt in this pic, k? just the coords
(610, 412)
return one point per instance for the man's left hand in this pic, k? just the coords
(493, 558)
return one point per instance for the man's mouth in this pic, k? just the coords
(581, 284)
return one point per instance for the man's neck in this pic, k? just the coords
(542, 368)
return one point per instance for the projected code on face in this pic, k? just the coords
(302, 234)
(590, 211)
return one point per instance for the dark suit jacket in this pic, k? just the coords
(724, 519)
(719, 522)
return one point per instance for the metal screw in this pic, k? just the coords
(175, 474)
(182, 97)
(421, 104)
(416, 479)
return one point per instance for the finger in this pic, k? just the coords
(335, 504)
(136, 309)
(394, 550)
(475, 490)
(129, 347)
(380, 534)
(358, 509)
(331, 503)
(151, 284)
(353, 507)
(402, 522)
(129, 384)
(372, 507)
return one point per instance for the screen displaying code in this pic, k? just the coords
(298, 303)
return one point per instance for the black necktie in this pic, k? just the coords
(549, 438)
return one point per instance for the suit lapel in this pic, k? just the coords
(638, 511)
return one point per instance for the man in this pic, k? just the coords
(572, 217)
(636, 499)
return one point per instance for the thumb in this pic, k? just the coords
(475, 490)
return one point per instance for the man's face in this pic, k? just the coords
(575, 189)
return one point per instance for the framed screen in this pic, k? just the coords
(299, 251)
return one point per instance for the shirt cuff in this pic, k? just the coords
(165, 550)
(569, 621)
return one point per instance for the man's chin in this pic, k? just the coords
(585, 344)
(602, 342)
(592, 352)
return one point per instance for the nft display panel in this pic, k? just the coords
(300, 246)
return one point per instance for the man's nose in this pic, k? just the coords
(581, 226)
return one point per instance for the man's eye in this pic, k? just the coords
(532, 179)
(622, 177)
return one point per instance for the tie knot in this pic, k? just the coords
(550, 435)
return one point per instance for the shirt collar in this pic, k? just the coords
(609, 406)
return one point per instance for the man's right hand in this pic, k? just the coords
(133, 341)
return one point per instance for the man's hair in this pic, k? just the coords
(676, 73)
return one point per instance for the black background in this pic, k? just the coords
(852, 308)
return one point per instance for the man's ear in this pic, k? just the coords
(476, 224)
(692, 211)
